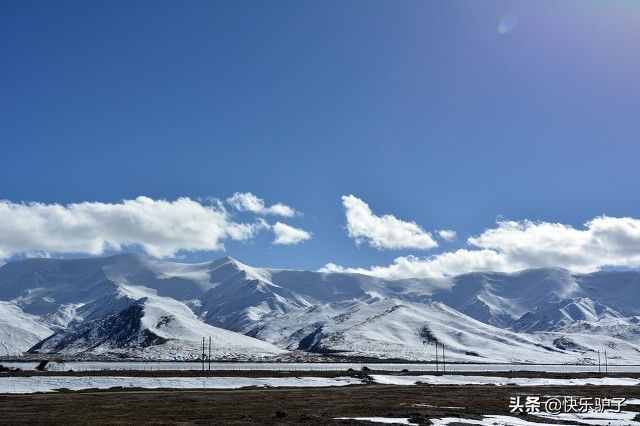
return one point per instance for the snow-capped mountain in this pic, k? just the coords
(563, 314)
(129, 305)
(151, 326)
(500, 299)
(393, 328)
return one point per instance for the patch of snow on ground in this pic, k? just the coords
(487, 421)
(501, 381)
(623, 418)
(51, 384)
(438, 406)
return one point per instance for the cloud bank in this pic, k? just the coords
(247, 202)
(603, 241)
(288, 235)
(383, 232)
(161, 228)
(516, 245)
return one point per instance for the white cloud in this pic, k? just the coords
(512, 246)
(439, 266)
(383, 232)
(161, 228)
(245, 231)
(247, 202)
(603, 241)
(447, 234)
(288, 235)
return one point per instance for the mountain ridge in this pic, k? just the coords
(545, 314)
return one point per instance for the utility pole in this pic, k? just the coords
(599, 361)
(209, 353)
(606, 362)
(444, 362)
(204, 355)
(437, 369)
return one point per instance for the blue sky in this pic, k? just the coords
(427, 110)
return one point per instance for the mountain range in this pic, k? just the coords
(130, 306)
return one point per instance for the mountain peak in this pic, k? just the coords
(230, 259)
(223, 266)
(226, 260)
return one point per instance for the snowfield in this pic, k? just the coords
(488, 421)
(501, 381)
(15, 385)
(52, 383)
(623, 418)
(309, 366)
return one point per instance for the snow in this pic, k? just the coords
(623, 418)
(385, 420)
(252, 273)
(170, 320)
(501, 298)
(208, 274)
(64, 316)
(51, 384)
(501, 381)
(451, 407)
(196, 272)
(392, 328)
(183, 324)
(19, 330)
(310, 366)
(228, 268)
(487, 421)
(476, 316)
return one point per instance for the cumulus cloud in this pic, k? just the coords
(447, 234)
(161, 228)
(383, 232)
(603, 241)
(247, 202)
(288, 235)
(438, 266)
(516, 245)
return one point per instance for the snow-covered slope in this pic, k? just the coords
(152, 326)
(398, 329)
(619, 290)
(558, 316)
(18, 330)
(242, 295)
(500, 299)
(135, 306)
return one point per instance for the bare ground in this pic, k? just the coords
(299, 406)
